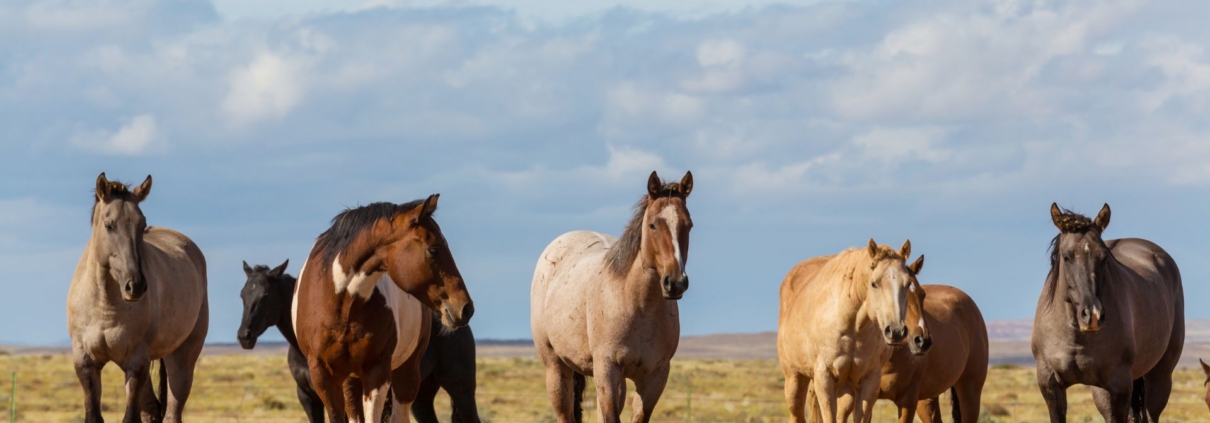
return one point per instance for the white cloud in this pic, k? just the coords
(902, 144)
(266, 88)
(724, 52)
(136, 137)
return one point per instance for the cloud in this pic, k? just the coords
(133, 138)
(266, 88)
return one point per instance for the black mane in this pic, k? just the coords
(350, 223)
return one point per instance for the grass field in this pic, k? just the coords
(257, 388)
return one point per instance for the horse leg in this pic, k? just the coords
(907, 406)
(865, 396)
(456, 374)
(824, 386)
(329, 388)
(89, 373)
(929, 410)
(967, 398)
(796, 395)
(812, 401)
(559, 388)
(405, 388)
(1113, 400)
(1157, 383)
(1054, 393)
(138, 376)
(180, 364)
(647, 392)
(375, 383)
(310, 401)
(422, 408)
(611, 390)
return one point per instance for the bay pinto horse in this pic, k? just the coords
(138, 294)
(1112, 316)
(606, 307)
(956, 360)
(449, 364)
(266, 296)
(358, 307)
(838, 320)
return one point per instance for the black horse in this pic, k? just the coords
(449, 360)
(448, 363)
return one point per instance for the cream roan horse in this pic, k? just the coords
(606, 307)
(837, 322)
(138, 294)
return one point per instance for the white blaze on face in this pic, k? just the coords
(359, 284)
(672, 219)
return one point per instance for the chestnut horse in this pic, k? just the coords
(957, 360)
(837, 322)
(1206, 383)
(606, 307)
(138, 294)
(358, 307)
(1112, 316)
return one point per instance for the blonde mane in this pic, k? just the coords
(855, 263)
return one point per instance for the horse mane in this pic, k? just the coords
(117, 190)
(855, 262)
(350, 223)
(621, 255)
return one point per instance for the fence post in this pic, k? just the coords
(689, 400)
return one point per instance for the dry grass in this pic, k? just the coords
(245, 388)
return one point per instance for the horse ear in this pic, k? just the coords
(430, 206)
(102, 187)
(917, 265)
(906, 250)
(278, 271)
(653, 184)
(686, 185)
(247, 269)
(1056, 215)
(873, 249)
(1102, 220)
(1205, 367)
(141, 191)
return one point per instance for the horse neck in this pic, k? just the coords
(641, 287)
(857, 311)
(285, 323)
(97, 279)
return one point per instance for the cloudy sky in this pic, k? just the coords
(810, 127)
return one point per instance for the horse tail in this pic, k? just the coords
(163, 399)
(956, 409)
(577, 387)
(1137, 406)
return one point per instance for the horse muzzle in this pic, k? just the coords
(1091, 318)
(133, 290)
(454, 321)
(894, 335)
(247, 340)
(920, 344)
(675, 289)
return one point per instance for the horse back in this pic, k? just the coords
(560, 295)
(960, 343)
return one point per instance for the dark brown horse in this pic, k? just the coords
(353, 307)
(1111, 316)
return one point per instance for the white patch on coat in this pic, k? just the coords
(359, 284)
(372, 402)
(409, 316)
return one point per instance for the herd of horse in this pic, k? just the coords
(376, 321)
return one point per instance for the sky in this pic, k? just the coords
(810, 127)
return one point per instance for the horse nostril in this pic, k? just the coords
(918, 340)
(467, 311)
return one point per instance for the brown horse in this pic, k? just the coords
(138, 294)
(1206, 383)
(606, 307)
(1112, 316)
(358, 307)
(838, 318)
(957, 361)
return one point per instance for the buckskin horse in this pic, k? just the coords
(1112, 316)
(358, 309)
(138, 294)
(606, 307)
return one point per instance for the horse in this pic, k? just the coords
(837, 321)
(138, 294)
(359, 306)
(606, 308)
(914, 378)
(1206, 383)
(1111, 315)
(448, 363)
(267, 294)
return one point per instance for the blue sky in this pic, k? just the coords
(809, 127)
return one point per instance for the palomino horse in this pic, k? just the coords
(606, 307)
(1112, 316)
(266, 297)
(138, 294)
(358, 309)
(957, 360)
(837, 321)
(449, 364)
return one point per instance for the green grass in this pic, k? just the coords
(258, 388)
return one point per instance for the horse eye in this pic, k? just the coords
(433, 251)
(651, 225)
(109, 226)
(874, 285)
(1066, 257)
